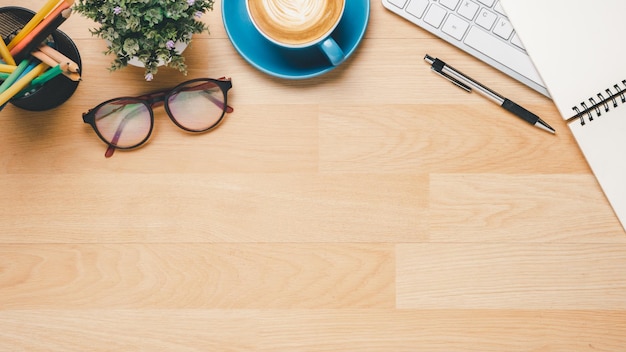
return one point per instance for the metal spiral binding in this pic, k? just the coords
(596, 107)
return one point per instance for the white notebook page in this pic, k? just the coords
(579, 51)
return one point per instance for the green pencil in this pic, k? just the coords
(42, 79)
(14, 75)
(46, 76)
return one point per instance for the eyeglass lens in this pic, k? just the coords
(194, 106)
(124, 123)
(197, 106)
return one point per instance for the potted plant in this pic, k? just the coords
(146, 30)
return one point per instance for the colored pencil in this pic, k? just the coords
(42, 79)
(37, 18)
(20, 84)
(7, 68)
(59, 57)
(41, 32)
(6, 54)
(44, 58)
(52, 63)
(28, 68)
(14, 76)
(48, 75)
(73, 76)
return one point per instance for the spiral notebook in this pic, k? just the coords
(578, 49)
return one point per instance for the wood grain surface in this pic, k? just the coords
(374, 208)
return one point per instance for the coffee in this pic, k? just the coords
(296, 22)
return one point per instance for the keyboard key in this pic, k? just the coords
(486, 19)
(455, 26)
(399, 3)
(451, 4)
(517, 42)
(435, 16)
(487, 3)
(502, 52)
(468, 9)
(503, 29)
(417, 7)
(499, 9)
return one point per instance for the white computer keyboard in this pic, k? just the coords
(479, 27)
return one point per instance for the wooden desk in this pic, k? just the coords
(376, 208)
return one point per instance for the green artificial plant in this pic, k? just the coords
(146, 29)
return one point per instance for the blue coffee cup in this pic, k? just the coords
(299, 24)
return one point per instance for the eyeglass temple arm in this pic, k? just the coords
(205, 87)
(218, 103)
(100, 117)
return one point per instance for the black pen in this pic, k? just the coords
(468, 84)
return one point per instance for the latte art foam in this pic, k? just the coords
(296, 14)
(295, 22)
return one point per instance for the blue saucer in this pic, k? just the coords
(286, 63)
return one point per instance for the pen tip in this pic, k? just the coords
(544, 126)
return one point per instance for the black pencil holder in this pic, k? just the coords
(59, 89)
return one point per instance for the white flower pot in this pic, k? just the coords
(178, 46)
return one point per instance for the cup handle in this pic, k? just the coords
(333, 51)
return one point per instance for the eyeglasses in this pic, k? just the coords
(198, 105)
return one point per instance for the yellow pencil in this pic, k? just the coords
(5, 54)
(73, 76)
(22, 83)
(7, 68)
(39, 16)
(41, 31)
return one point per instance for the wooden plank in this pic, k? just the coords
(185, 276)
(312, 330)
(511, 276)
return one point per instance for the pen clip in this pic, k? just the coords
(454, 81)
